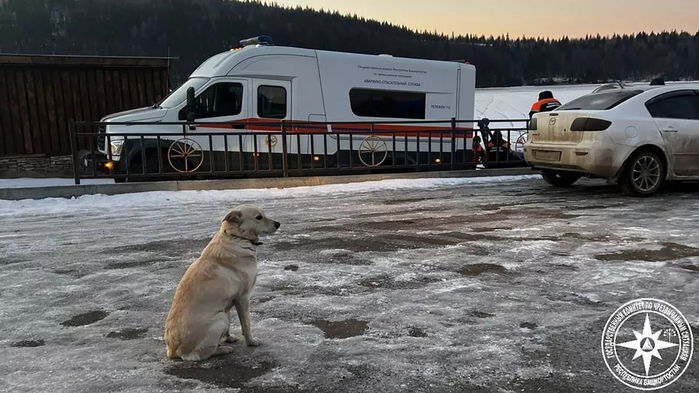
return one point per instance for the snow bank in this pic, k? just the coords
(157, 198)
(25, 182)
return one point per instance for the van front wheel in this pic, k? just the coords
(560, 178)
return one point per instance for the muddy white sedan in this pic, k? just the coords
(639, 137)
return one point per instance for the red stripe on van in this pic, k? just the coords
(321, 128)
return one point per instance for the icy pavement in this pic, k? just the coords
(437, 285)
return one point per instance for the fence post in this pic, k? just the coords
(453, 144)
(74, 151)
(285, 153)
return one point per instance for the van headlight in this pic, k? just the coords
(115, 146)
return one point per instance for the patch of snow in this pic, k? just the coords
(158, 198)
(27, 182)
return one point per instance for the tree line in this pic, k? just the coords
(193, 30)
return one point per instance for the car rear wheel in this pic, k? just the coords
(560, 178)
(644, 174)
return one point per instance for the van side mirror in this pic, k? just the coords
(191, 106)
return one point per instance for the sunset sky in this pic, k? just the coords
(574, 18)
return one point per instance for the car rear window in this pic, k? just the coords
(600, 101)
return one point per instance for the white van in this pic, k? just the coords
(263, 84)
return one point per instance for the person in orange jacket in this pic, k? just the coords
(546, 103)
(498, 148)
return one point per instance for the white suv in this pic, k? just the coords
(637, 136)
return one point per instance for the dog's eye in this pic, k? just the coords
(259, 217)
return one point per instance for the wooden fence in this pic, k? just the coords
(41, 95)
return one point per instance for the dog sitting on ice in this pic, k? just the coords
(197, 326)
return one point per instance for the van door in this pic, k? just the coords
(222, 102)
(271, 105)
(677, 117)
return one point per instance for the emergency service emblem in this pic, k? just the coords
(271, 141)
(647, 344)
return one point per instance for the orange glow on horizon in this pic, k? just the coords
(572, 18)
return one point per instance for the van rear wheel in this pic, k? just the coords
(560, 178)
(644, 174)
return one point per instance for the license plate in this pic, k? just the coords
(547, 155)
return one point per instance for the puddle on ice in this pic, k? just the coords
(387, 282)
(85, 318)
(416, 332)
(229, 371)
(402, 201)
(341, 329)
(668, 252)
(480, 268)
(481, 314)
(28, 343)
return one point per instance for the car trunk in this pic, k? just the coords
(554, 127)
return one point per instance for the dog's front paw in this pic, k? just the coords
(223, 350)
(253, 342)
(231, 339)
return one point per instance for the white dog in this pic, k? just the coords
(222, 277)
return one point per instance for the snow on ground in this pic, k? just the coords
(24, 182)
(444, 285)
(156, 198)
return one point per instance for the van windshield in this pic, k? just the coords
(600, 101)
(180, 95)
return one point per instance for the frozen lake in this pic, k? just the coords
(515, 102)
(435, 285)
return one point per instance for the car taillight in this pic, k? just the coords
(532, 124)
(589, 124)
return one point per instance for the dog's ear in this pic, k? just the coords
(234, 217)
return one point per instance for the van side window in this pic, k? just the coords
(386, 103)
(684, 106)
(220, 99)
(271, 102)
